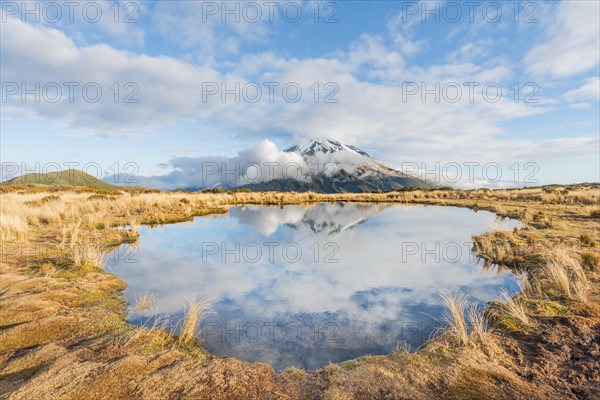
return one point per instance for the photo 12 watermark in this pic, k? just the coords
(70, 92)
(455, 92)
(453, 12)
(254, 92)
(68, 171)
(56, 12)
(270, 252)
(253, 12)
(270, 331)
(491, 172)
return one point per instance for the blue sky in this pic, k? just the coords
(369, 53)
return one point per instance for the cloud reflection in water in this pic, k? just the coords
(315, 283)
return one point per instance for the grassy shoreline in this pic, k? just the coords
(63, 332)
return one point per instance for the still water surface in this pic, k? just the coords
(307, 285)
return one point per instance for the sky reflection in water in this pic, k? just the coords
(305, 285)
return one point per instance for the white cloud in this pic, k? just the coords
(262, 163)
(86, 21)
(470, 52)
(210, 31)
(40, 55)
(372, 115)
(571, 43)
(590, 90)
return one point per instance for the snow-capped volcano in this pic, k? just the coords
(320, 165)
(325, 146)
(330, 157)
(337, 167)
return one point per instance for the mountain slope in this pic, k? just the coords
(341, 168)
(71, 177)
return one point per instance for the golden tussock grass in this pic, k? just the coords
(81, 226)
(88, 253)
(34, 207)
(479, 325)
(454, 318)
(144, 302)
(465, 322)
(566, 274)
(194, 312)
(13, 227)
(590, 261)
(513, 308)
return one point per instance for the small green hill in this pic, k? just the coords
(71, 177)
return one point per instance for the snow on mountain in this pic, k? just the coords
(320, 165)
(331, 157)
(320, 218)
(325, 146)
(337, 167)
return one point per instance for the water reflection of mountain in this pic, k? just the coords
(308, 312)
(321, 218)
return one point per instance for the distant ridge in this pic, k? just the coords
(71, 177)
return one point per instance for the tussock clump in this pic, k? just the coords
(498, 247)
(566, 275)
(99, 197)
(47, 269)
(479, 325)
(464, 320)
(193, 316)
(12, 227)
(456, 304)
(49, 198)
(43, 200)
(590, 261)
(88, 254)
(144, 301)
(587, 240)
(513, 308)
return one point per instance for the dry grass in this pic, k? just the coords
(134, 225)
(157, 333)
(144, 302)
(590, 261)
(478, 324)
(454, 318)
(498, 247)
(513, 308)
(91, 306)
(587, 240)
(13, 227)
(88, 254)
(27, 207)
(465, 322)
(194, 311)
(528, 285)
(566, 275)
